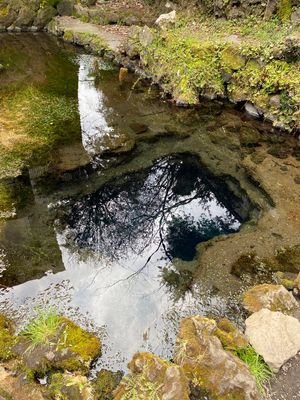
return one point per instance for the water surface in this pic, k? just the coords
(109, 232)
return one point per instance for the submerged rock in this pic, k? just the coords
(203, 359)
(273, 335)
(69, 348)
(272, 297)
(153, 378)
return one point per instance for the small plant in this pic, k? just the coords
(258, 368)
(42, 327)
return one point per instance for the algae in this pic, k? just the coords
(7, 339)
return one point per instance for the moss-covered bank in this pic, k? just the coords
(246, 61)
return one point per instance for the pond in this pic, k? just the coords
(109, 218)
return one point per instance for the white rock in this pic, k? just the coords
(164, 20)
(275, 336)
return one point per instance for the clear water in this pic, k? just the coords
(108, 238)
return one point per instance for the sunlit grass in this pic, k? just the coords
(258, 368)
(42, 327)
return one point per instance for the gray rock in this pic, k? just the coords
(164, 21)
(295, 17)
(44, 16)
(275, 101)
(146, 36)
(65, 7)
(275, 336)
(252, 110)
(26, 17)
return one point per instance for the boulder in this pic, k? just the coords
(232, 59)
(146, 36)
(153, 378)
(164, 21)
(273, 335)
(26, 17)
(286, 279)
(272, 297)
(209, 367)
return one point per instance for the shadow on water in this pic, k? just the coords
(129, 202)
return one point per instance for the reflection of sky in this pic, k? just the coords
(128, 306)
(91, 107)
(128, 309)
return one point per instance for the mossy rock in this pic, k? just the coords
(69, 387)
(286, 279)
(229, 335)
(105, 383)
(272, 297)
(284, 9)
(70, 348)
(232, 59)
(7, 339)
(81, 342)
(208, 365)
(152, 378)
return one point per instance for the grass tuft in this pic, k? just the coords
(42, 327)
(258, 368)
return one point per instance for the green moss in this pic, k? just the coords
(184, 66)
(231, 58)
(79, 341)
(229, 335)
(105, 383)
(40, 121)
(69, 387)
(4, 11)
(4, 395)
(7, 339)
(285, 9)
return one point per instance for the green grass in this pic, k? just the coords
(258, 368)
(42, 327)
